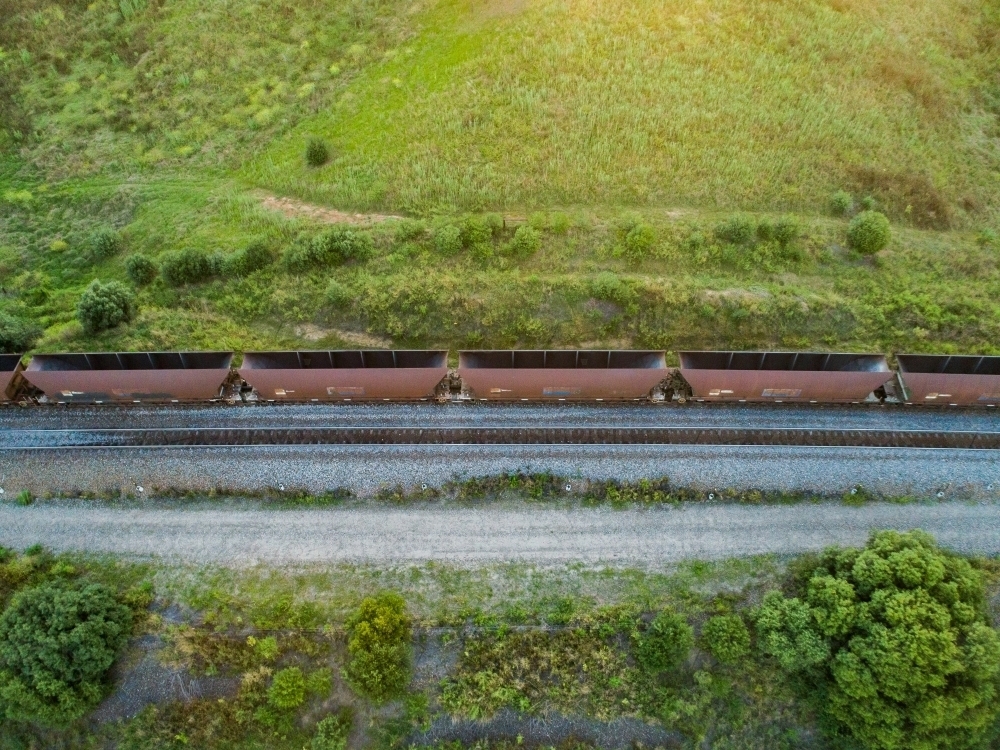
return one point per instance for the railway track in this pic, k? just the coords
(671, 435)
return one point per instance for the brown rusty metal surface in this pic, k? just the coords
(946, 379)
(561, 375)
(344, 375)
(10, 369)
(130, 376)
(783, 376)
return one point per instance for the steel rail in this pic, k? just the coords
(257, 436)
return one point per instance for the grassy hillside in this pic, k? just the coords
(170, 121)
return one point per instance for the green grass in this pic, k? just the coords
(162, 119)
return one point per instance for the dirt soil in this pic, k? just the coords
(296, 209)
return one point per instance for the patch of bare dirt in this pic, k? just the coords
(312, 332)
(296, 209)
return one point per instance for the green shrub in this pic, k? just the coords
(287, 690)
(786, 231)
(525, 242)
(338, 295)
(407, 230)
(448, 239)
(607, 286)
(333, 247)
(559, 223)
(665, 643)
(188, 266)
(57, 642)
(17, 335)
(841, 203)
(140, 269)
(105, 243)
(639, 242)
(317, 152)
(895, 638)
(254, 257)
(765, 230)
(868, 203)
(379, 646)
(736, 230)
(869, 232)
(105, 305)
(332, 732)
(24, 497)
(726, 638)
(480, 230)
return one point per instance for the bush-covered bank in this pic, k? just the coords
(738, 654)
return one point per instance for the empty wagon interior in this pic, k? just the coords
(562, 360)
(118, 361)
(9, 362)
(344, 360)
(946, 364)
(784, 361)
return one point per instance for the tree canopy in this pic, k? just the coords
(895, 639)
(57, 642)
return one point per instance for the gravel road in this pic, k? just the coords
(637, 537)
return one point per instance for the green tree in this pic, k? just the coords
(288, 689)
(17, 335)
(894, 638)
(726, 638)
(105, 305)
(57, 642)
(665, 643)
(379, 646)
(140, 269)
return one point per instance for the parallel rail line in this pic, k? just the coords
(274, 436)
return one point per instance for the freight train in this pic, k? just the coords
(500, 375)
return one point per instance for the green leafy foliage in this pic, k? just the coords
(24, 497)
(726, 637)
(338, 295)
(105, 243)
(188, 266)
(379, 646)
(105, 305)
(786, 231)
(317, 152)
(639, 242)
(448, 239)
(333, 247)
(895, 639)
(737, 230)
(256, 256)
(332, 732)
(288, 689)
(869, 232)
(841, 203)
(665, 643)
(141, 269)
(525, 242)
(17, 335)
(57, 642)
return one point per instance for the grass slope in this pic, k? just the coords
(716, 103)
(160, 118)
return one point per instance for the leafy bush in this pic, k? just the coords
(379, 646)
(254, 257)
(317, 152)
(841, 203)
(525, 242)
(868, 203)
(869, 232)
(559, 223)
(188, 266)
(448, 239)
(639, 242)
(736, 230)
(105, 305)
(17, 334)
(480, 230)
(140, 269)
(607, 286)
(726, 638)
(288, 689)
(338, 295)
(765, 230)
(786, 231)
(665, 643)
(332, 732)
(895, 638)
(330, 248)
(57, 642)
(105, 243)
